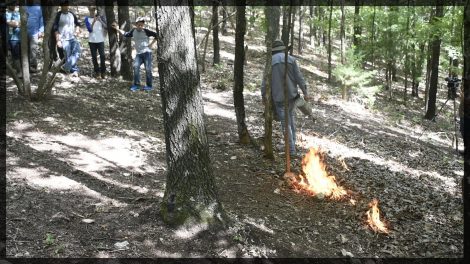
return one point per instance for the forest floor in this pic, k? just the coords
(86, 172)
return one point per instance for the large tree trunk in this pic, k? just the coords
(436, 51)
(190, 193)
(125, 43)
(466, 136)
(215, 33)
(238, 99)
(272, 14)
(329, 41)
(114, 54)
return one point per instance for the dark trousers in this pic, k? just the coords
(15, 49)
(94, 48)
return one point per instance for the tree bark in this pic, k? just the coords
(301, 32)
(372, 38)
(50, 67)
(238, 99)
(285, 29)
(310, 24)
(125, 46)
(272, 18)
(286, 101)
(114, 54)
(436, 50)
(357, 27)
(224, 17)
(215, 33)
(291, 50)
(342, 32)
(25, 53)
(190, 194)
(329, 41)
(407, 36)
(466, 136)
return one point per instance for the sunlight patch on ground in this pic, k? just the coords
(94, 156)
(313, 69)
(40, 177)
(190, 231)
(340, 150)
(226, 55)
(214, 109)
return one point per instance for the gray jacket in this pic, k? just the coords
(294, 78)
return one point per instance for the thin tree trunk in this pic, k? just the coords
(372, 40)
(215, 33)
(436, 50)
(286, 101)
(310, 24)
(466, 136)
(125, 43)
(301, 33)
(272, 17)
(238, 99)
(24, 53)
(291, 50)
(190, 193)
(50, 68)
(342, 32)
(114, 54)
(329, 41)
(285, 29)
(224, 17)
(407, 36)
(357, 27)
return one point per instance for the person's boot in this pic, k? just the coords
(17, 66)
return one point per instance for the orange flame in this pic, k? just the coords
(316, 180)
(373, 218)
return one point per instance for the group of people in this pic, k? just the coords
(65, 31)
(10, 31)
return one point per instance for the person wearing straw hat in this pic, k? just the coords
(294, 79)
(143, 51)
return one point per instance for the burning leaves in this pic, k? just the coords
(315, 179)
(373, 218)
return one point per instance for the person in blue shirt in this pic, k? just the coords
(143, 51)
(66, 27)
(295, 80)
(35, 26)
(13, 21)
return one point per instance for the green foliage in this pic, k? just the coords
(49, 241)
(354, 79)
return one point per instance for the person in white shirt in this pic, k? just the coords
(96, 26)
(66, 29)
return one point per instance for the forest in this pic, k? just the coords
(157, 129)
